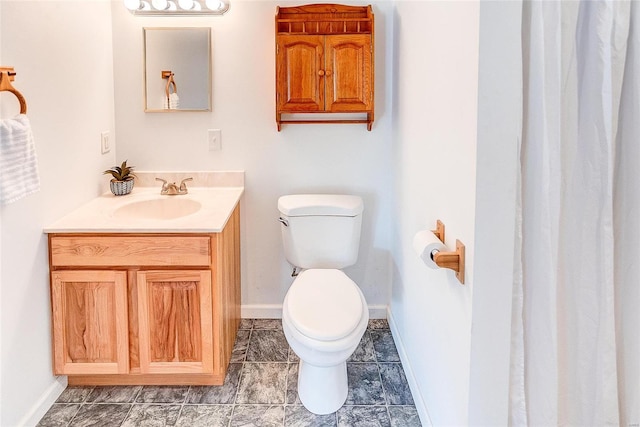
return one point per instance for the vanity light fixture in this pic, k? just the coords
(177, 7)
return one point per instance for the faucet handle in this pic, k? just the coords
(164, 185)
(183, 186)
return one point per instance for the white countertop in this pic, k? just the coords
(99, 215)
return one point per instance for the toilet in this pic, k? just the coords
(324, 314)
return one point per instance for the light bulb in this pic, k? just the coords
(215, 4)
(185, 4)
(159, 4)
(145, 5)
(132, 4)
(172, 6)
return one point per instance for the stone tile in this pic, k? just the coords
(162, 394)
(404, 416)
(223, 394)
(246, 323)
(59, 415)
(394, 382)
(114, 394)
(363, 416)
(384, 347)
(299, 416)
(293, 357)
(257, 415)
(267, 346)
(205, 416)
(239, 352)
(364, 352)
(100, 415)
(378, 324)
(74, 394)
(263, 383)
(267, 324)
(292, 385)
(146, 415)
(365, 387)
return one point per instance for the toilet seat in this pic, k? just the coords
(324, 304)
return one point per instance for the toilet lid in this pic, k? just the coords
(324, 304)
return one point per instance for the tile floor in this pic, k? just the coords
(260, 390)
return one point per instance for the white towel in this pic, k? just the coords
(173, 102)
(18, 163)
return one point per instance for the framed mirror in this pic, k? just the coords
(177, 69)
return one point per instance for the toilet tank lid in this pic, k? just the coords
(320, 204)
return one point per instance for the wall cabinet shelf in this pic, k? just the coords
(324, 64)
(145, 309)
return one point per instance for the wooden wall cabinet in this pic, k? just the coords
(145, 309)
(325, 63)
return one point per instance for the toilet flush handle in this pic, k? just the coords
(284, 221)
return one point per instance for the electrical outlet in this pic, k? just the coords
(105, 145)
(215, 140)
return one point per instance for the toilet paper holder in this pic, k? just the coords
(450, 260)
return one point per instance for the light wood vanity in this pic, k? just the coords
(145, 307)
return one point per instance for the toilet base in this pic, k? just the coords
(322, 390)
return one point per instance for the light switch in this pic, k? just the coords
(215, 140)
(105, 145)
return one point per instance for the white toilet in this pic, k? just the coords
(324, 313)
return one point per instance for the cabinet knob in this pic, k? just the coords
(321, 72)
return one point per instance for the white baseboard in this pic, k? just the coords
(421, 407)
(43, 404)
(274, 311)
(261, 311)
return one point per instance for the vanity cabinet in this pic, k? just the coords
(145, 308)
(324, 63)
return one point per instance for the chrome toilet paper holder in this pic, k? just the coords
(451, 260)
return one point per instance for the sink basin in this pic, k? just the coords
(163, 208)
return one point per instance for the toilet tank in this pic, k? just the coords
(320, 230)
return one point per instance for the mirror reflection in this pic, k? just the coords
(177, 63)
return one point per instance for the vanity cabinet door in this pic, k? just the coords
(175, 322)
(90, 322)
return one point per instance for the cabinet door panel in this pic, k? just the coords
(90, 322)
(175, 321)
(349, 73)
(299, 83)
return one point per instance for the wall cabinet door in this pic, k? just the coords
(324, 73)
(349, 74)
(300, 75)
(90, 322)
(175, 321)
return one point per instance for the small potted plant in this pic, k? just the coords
(123, 176)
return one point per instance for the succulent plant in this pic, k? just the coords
(122, 172)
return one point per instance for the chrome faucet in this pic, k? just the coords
(171, 189)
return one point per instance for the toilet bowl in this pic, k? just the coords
(324, 317)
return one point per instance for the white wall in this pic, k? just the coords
(434, 117)
(309, 158)
(61, 51)
(499, 129)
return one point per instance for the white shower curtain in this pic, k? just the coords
(576, 322)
